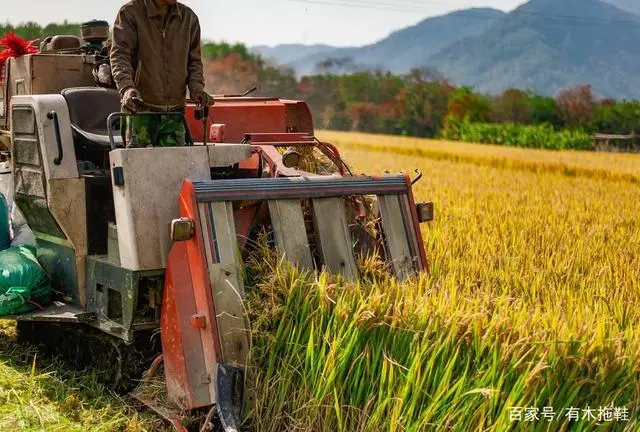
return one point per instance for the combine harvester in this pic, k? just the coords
(152, 240)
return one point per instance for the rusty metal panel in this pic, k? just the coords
(298, 117)
(148, 199)
(398, 229)
(20, 76)
(67, 204)
(48, 73)
(291, 235)
(203, 294)
(225, 275)
(334, 238)
(26, 152)
(240, 117)
(38, 217)
(29, 181)
(188, 323)
(54, 73)
(24, 121)
(188, 383)
(297, 187)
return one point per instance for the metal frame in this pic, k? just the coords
(320, 187)
(266, 145)
(105, 280)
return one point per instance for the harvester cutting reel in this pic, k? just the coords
(303, 155)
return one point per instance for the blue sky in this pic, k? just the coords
(268, 22)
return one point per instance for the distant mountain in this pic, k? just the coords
(287, 53)
(398, 52)
(628, 5)
(544, 45)
(539, 46)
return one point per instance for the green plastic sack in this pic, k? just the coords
(5, 235)
(23, 282)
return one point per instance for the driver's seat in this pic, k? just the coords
(89, 108)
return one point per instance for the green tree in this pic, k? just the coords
(542, 109)
(512, 106)
(32, 30)
(464, 104)
(213, 51)
(423, 103)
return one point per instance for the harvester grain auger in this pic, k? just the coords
(141, 241)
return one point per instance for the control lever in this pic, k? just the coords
(202, 113)
(134, 137)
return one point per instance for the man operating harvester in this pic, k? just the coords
(155, 57)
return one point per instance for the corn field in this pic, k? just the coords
(541, 136)
(527, 320)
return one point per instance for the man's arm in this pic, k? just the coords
(125, 39)
(194, 66)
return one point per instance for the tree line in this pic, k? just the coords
(420, 103)
(424, 104)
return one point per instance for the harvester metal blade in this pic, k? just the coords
(230, 382)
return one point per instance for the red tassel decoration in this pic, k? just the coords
(15, 46)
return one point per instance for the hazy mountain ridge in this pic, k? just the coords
(398, 52)
(628, 5)
(287, 53)
(543, 45)
(528, 49)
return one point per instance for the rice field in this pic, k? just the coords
(528, 319)
(41, 395)
(615, 166)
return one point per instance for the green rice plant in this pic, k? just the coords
(382, 356)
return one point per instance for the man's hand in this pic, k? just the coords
(202, 98)
(129, 100)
